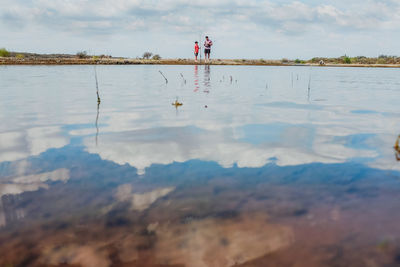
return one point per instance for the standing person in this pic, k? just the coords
(196, 50)
(207, 48)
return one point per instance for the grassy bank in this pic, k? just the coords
(81, 58)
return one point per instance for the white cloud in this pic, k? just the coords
(91, 20)
(28, 183)
(17, 145)
(140, 201)
(20, 184)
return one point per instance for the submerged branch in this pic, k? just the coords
(166, 80)
(97, 86)
(184, 80)
(98, 104)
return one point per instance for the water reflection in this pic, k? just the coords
(255, 180)
(96, 122)
(11, 187)
(218, 242)
(21, 143)
(248, 146)
(196, 78)
(199, 214)
(140, 201)
(207, 79)
(98, 104)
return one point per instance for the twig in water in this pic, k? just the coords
(98, 104)
(266, 86)
(97, 86)
(309, 87)
(97, 120)
(183, 78)
(166, 80)
(292, 79)
(231, 78)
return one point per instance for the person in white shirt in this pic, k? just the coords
(207, 48)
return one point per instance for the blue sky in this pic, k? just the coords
(239, 29)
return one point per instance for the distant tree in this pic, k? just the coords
(156, 57)
(4, 52)
(386, 56)
(81, 54)
(147, 55)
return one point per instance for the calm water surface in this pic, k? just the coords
(260, 166)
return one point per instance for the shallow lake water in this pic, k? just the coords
(259, 166)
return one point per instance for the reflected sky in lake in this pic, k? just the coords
(260, 166)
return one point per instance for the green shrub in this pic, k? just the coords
(381, 61)
(297, 61)
(20, 56)
(315, 59)
(4, 52)
(347, 60)
(156, 57)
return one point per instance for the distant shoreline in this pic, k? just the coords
(127, 61)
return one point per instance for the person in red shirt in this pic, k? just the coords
(196, 50)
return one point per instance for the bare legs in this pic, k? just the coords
(207, 57)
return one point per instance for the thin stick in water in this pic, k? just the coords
(292, 79)
(309, 87)
(184, 80)
(98, 104)
(97, 120)
(97, 86)
(166, 80)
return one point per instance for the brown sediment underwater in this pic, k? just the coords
(220, 223)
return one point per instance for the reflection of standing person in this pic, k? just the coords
(196, 78)
(207, 80)
(196, 50)
(207, 48)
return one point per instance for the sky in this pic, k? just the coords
(252, 29)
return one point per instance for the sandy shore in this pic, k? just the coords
(127, 61)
